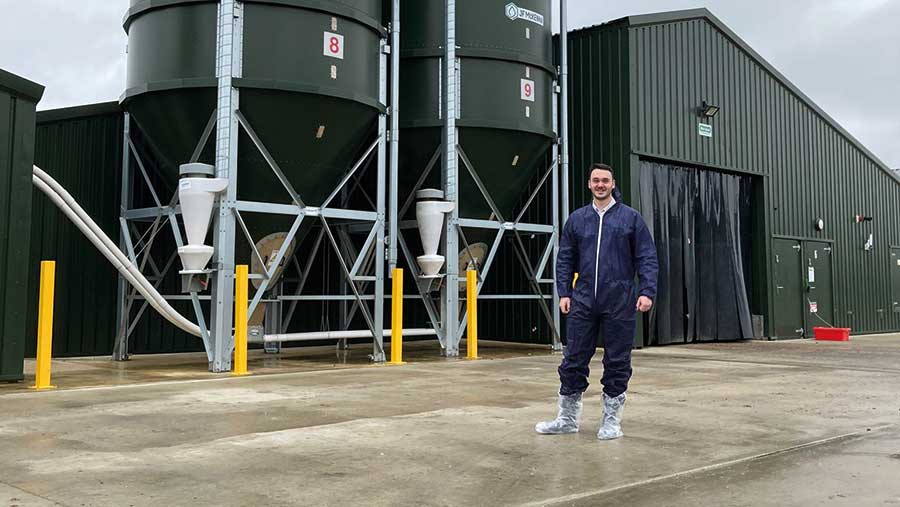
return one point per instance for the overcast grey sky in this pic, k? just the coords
(844, 54)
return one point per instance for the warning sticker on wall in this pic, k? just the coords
(812, 274)
(813, 307)
(528, 90)
(334, 45)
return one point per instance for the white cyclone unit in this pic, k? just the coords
(430, 211)
(197, 195)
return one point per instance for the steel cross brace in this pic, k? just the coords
(432, 311)
(303, 211)
(521, 252)
(304, 276)
(377, 336)
(169, 212)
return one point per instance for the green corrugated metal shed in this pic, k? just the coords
(636, 85)
(18, 98)
(80, 147)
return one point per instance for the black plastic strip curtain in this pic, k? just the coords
(700, 221)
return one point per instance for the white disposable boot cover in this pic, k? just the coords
(567, 419)
(612, 417)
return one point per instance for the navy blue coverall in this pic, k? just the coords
(626, 250)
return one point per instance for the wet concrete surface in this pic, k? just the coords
(74, 373)
(854, 471)
(753, 423)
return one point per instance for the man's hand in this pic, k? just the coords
(643, 304)
(564, 305)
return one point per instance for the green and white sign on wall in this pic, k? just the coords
(705, 130)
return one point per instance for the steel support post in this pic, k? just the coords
(564, 106)
(228, 67)
(123, 309)
(450, 178)
(556, 343)
(381, 207)
(395, 136)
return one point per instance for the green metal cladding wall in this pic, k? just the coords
(81, 148)
(599, 95)
(18, 98)
(810, 167)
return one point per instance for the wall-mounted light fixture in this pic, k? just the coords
(708, 110)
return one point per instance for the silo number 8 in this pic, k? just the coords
(334, 45)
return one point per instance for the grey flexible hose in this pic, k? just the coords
(67, 204)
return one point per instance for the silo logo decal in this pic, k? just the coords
(515, 12)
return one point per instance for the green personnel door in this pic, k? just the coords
(788, 289)
(895, 278)
(819, 297)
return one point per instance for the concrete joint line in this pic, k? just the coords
(29, 493)
(708, 468)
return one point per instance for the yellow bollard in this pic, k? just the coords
(240, 320)
(472, 312)
(397, 318)
(45, 326)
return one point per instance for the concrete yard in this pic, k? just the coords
(753, 423)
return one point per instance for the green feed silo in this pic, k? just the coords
(309, 86)
(505, 80)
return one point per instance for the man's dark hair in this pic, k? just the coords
(604, 167)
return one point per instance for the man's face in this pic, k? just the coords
(601, 184)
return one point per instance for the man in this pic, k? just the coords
(607, 244)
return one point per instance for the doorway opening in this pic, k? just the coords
(704, 224)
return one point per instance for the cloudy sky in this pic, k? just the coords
(844, 54)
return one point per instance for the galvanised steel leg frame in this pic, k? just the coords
(393, 184)
(120, 348)
(532, 273)
(564, 107)
(375, 240)
(128, 295)
(450, 183)
(556, 344)
(228, 67)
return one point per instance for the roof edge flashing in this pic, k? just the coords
(21, 87)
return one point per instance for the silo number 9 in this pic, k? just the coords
(528, 90)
